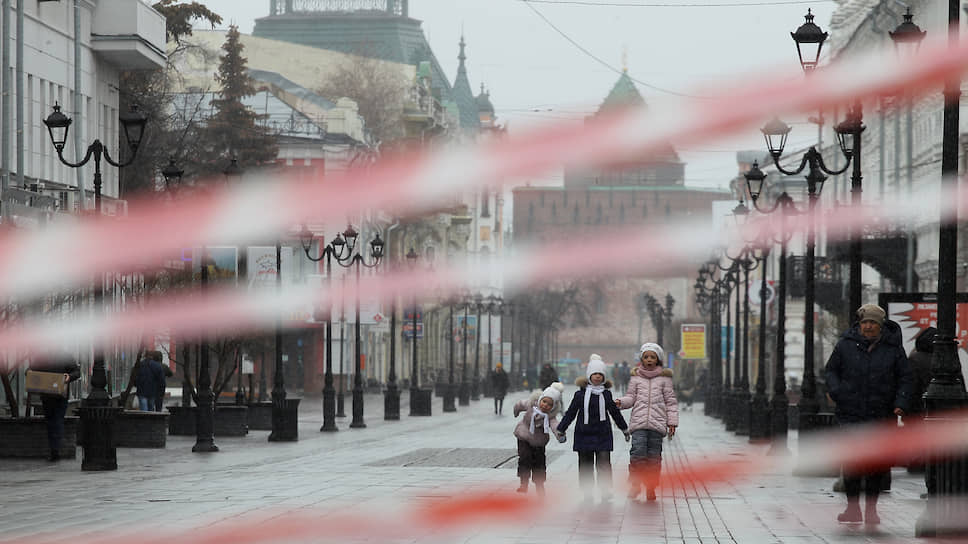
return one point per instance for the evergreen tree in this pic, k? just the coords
(234, 130)
(151, 92)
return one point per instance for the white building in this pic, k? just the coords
(71, 56)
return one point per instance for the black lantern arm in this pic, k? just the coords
(112, 162)
(91, 149)
(828, 171)
(803, 164)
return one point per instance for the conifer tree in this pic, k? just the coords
(234, 130)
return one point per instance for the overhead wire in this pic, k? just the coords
(602, 62)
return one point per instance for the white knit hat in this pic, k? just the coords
(595, 366)
(553, 391)
(655, 348)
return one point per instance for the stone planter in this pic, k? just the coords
(136, 429)
(260, 416)
(27, 437)
(230, 420)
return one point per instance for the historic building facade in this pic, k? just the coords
(649, 192)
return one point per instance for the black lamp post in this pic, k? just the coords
(775, 133)
(779, 405)
(476, 384)
(661, 316)
(335, 247)
(945, 509)
(849, 138)
(759, 405)
(493, 304)
(391, 396)
(450, 389)
(705, 303)
(742, 392)
(420, 400)
(464, 392)
(357, 259)
(100, 452)
(728, 284)
(510, 307)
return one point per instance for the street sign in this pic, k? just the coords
(407, 329)
(755, 292)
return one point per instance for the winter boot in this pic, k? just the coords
(523, 488)
(852, 513)
(650, 493)
(539, 488)
(635, 479)
(870, 510)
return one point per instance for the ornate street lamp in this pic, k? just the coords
(334, 247)
(813, 161)
(476, 384)
(779, 405)
(100, 452)
(464, 392)
(944, 512)
(450, 388)
(420, 400)
(759, 410)
(809, 39)
(356, 259)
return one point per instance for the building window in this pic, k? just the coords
(575, 219)
(621, 213)
(598, 215)
(554, 209)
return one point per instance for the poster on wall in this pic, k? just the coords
(693, 341)
(223, 263)
(261, 266)
(915, 312)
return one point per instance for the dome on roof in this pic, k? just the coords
(484, 101)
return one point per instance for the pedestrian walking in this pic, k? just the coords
(163, 389)
(149, 380)
(920, 359)
(655, 415)
(55, 406)
(622, 375)
(547, 377)
(533, 432)
(590, 408)
(869, 378)
(499, 385)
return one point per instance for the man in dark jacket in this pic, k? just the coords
(548, 376)
(55, 406)
(149, 380)
(499, 386)
(869, 377)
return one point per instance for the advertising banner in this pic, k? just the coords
(915, 312)
(693, 341)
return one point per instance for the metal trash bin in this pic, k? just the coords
(285, 421)
(100, 448)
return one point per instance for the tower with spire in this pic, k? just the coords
(463, 96)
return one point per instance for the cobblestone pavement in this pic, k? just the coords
(375, 471)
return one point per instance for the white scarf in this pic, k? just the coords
(538, 413)
(598, 390)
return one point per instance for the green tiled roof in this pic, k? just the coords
(623, 94)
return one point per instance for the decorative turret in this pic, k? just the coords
(463, 96)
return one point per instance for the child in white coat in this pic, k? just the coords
(655, 413)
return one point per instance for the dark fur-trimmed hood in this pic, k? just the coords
(582, 382)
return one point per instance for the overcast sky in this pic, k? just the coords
(555, 60)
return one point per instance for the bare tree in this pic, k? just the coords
(380, 91)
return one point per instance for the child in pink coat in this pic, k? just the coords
(655, 413)
(533, 431)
